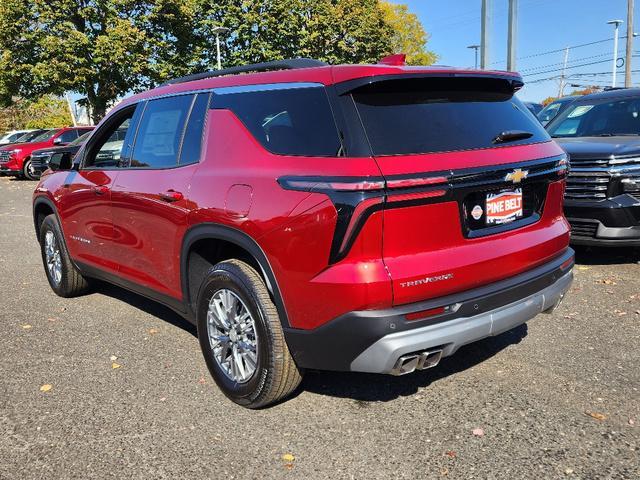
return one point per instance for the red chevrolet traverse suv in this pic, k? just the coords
(369, 218)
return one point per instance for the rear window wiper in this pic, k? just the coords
(511, 136)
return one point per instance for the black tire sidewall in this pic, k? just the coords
(50, 223)
(219, 278)
(25, 170)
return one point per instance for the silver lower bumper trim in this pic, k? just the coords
(381, 357)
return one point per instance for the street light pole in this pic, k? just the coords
(616, 24)
(475, 48)
(218, 31)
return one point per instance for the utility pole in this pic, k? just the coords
(475, 48)
(564, 69)
(614, 69)
(629, 53)
(513, 34)
(484, 34)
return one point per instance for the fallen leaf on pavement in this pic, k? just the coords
(581, 267)
(26, 327)
(287, 457)
(152, 331)
(568, 471)
(113, 358)
(607, 281)
(450, 454)
(478, 432)
(596, 415)
(115, 365)
(632, 421)
(202, 381)
(46, 387)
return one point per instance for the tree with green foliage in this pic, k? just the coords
(408, 34)
(44, 112)
(100, 48)
(104, 49)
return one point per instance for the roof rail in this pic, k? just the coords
(288, 64)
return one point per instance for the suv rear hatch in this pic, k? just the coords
(474, 183)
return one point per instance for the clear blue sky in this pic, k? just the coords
(543, 25)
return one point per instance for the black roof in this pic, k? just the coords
(611, 94)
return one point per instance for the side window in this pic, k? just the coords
(108, 148)
(291, 121)
(68, 136)
(158, 138)
(192, 142)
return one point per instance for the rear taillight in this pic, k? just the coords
(361, 185)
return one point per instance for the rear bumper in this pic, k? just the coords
(611, 222)
(374, 340)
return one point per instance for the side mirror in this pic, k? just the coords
(61, 161)
(57, 141)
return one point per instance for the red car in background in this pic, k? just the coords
(15, 159)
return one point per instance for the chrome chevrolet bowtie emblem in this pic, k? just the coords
(516, 176)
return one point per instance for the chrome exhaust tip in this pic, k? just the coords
(554, 307)
(406, 364)
(429, 359)
(416, 361)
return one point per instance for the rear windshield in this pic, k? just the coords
(288, 121)
(413, 116)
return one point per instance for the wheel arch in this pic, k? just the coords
(42, 207)
(210, 234)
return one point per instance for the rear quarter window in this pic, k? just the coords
(286, 121)
(427, 115)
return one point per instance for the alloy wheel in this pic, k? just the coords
(232, 335)
(52, 257)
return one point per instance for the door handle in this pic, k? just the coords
(100, 189)
(171, 196)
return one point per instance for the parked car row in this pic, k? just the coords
(17, 158)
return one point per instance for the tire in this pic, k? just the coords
(63, 276)
(275, 375)
(27, 172)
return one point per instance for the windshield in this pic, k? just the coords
(43, 137)
(27, 137)
(547, 113)
(603, 118)
(80, 140)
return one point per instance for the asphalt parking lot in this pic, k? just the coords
(128, 394)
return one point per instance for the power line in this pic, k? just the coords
(538, 67)
(560, 50)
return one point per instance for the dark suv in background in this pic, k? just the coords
(601, 133)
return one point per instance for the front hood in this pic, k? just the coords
(26, 146)
(61, 149)
(600, 147)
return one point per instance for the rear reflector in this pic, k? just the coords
(567, 263)
(421, 315)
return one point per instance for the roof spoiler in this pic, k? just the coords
(513, 81)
